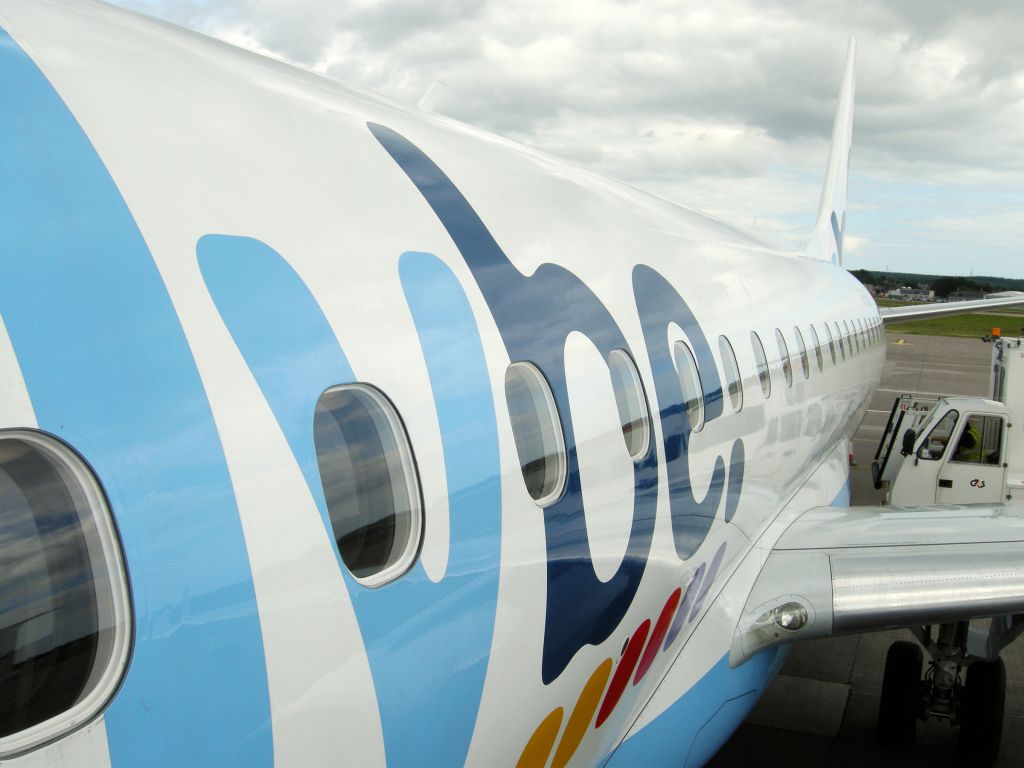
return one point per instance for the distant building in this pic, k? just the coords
(906, 293)
(966, 295)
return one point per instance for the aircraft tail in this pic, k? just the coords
(827, 242)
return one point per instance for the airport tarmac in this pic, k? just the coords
(820, 711)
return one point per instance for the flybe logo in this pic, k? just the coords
(137, 389)
(526, 311)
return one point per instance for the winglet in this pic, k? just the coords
(827, 242)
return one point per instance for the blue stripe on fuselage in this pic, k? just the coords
(672, 737)
(428, 643)
(108, 369)
(702, 719)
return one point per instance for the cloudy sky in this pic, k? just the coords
(726, 106)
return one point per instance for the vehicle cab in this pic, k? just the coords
(957, 456)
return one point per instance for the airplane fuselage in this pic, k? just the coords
(199, 243)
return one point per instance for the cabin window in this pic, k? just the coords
(981, 440)
(839, 341)
(64, 605)
(787, 365)
(631, 402)
(761, 361)
(851, 340)
(689, 381)
(935, 444)
(816, 343)
(831, 343)
(863, 333)
(537, 430)
(732, 373)
(369, 481)
(802, 350)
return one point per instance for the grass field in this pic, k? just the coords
(1010, 321)
(961, 325)
(894, 303)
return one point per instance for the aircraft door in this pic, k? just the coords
(917, 479)
(973, 470)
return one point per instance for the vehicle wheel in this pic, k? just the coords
(901, 694)
(981, 712)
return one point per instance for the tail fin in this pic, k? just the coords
(827, 242)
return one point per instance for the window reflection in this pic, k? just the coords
(369, 482)
(689, 381)
(537, 431)
(631, 403)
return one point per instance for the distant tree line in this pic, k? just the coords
(943, 285)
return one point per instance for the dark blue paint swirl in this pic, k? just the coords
(530, 314)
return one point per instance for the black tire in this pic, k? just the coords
(981, 712)
(901, 696)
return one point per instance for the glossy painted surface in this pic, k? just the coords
(108, 370)
(271, 234)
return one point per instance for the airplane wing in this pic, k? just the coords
(847, 570)
(920, 311)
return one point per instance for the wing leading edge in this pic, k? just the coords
(849, 570)
(921, 311)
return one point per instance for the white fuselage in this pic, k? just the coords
(200, 140)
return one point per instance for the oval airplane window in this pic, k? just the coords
(763, 374)
(369, 481)
(831, 343)
(802, 349)
(816, 343)
(64, 606)
(839, 340)
(787, 364)
(732, 373)
(689, 380)
(851, 341)
(631, 402)
(537, 431)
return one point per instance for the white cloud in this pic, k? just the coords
(732, 102)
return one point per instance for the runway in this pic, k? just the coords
(820, 711)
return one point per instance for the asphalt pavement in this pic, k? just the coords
(820, 712)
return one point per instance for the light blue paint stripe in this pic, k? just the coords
(713, 708)
(428, 643)
(842, 498)
(439, 719)
(281, 331)
(109, 370)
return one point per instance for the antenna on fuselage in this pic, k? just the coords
(429, 97)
